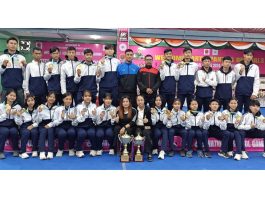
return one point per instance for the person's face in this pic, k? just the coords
(214, 106)
(168, 56)
(107, 101)
(125, 103)
(148, 61)
(194, 106)
(51, 99)
(140, 101)
(129, 56)
(87, 98)
(206, 63)
(233, 104)
(254, 109)
(187, 54)
(12, 45)
(248, 57)
(55, 55)
(89, 57)
(11, 97)
(30, 102)
(71, 54)
(67, 101)
(109, 52)
(37, 55)
(158, 102)
(227, 64)
(176, 105)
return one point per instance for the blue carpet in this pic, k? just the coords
(106, 162)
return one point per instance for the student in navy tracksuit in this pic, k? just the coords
(63, 121)
(34, 82)
(53, 72)
(127, 77)
(109, 81)
(225, 82)
(247, 76)
(12, 66)
(169, 77)
(85, 121)
(148, 79)
(186, 71)
(105, 118)
(205, 82)
(8, 123)
(87, 76)
(68, 71)
(28, 127)
(46, 127)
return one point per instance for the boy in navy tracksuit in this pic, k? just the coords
(68, 72)
(186, 71)
(225, 82)
(205, 81)
(12, 66)
(52, 73)
(109, 82)
(34, 83)
(247, 76)
(87, 76)
(168, 75)
(127, 77)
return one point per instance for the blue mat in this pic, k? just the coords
(107, 162)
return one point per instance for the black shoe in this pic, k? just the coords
(223, 154)
(207, 154)
(171, 153)
(149, 158)
(182, 153)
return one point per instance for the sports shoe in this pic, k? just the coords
(171, 153)
(230, 154)
(93, 153)
(244, 155)
(71, 152)
(24, 156)
(99, 152)
(42, 156)
(50, 155)
(237, 157)
(2, 156)
(155, 152)
(223, 154)
(200, 153)
(189, 154)
(161, 155)
(80, 154)
(34, 154)
(59, 153)
(207, 154)
(15, 154)
(111, 152)
(182, 153)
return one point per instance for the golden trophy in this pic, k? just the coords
(138, 140)
(125, 140)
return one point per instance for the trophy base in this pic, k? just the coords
(125, 158)
(138, 158)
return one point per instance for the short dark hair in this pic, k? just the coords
(71, 48)
(88, 51)
(109, 47)
(247, 51)
(148, 55)
(187, 49)
(214, 100)
(66, 95)
(107, 95)
(54, 49)
(254, 103)
(128, 50)
(167, 50)
(227, 58)
(11, 39)
(36, 49)
(206, 58)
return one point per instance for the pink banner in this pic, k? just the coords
(98, 49)
(122, 42)
(216, 55)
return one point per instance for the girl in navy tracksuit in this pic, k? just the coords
(194, 124)
(106, 114)
(29, 127)
(234, 118)
(88, 78)
(46, 126)
(53, 72)
(68, 71)
(34, 82)
(85, 121)
(8, 123)
(109, 81)
(63, 120)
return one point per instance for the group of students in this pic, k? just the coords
(61, 96)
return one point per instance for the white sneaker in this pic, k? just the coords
(59, 153)
(237, 157)
(155, 152)
(263, 154)
(50, 155)
(24, 156)
(71, 152)
(244, 155)
(111, 152)
(80, 154)
(93, 153)
(161, 155)
(34, 154)
(230, 154)
(42, 156)
(99, 152)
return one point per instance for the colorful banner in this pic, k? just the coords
(216, 55)
(122, 42)
(98, 49)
